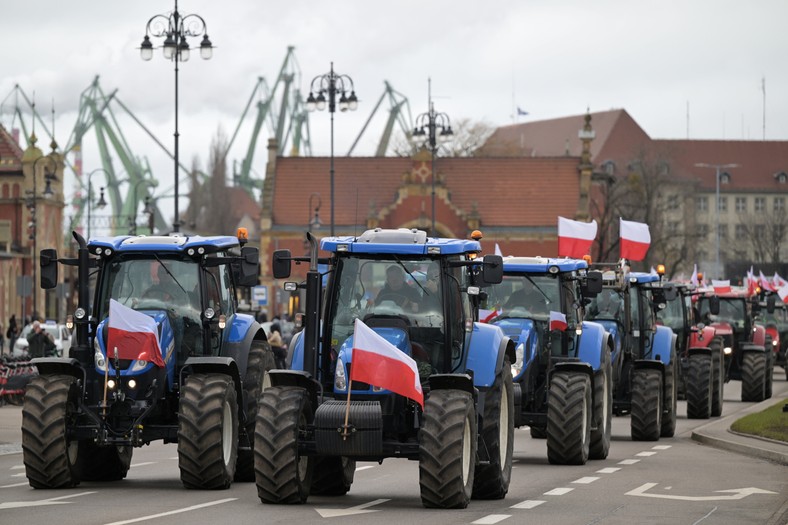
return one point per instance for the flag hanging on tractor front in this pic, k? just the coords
(635, 240)
(575, 238)
(134, 334)
(721, 286)
(557, 321)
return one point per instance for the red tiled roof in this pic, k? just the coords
(10, 153)
(242, 204)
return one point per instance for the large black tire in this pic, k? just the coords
(718, 378)
(332, 475)
(107, 463)
(282, 475)
(603, 409)
(51, 459)
(670, 400)
(769, 366)
(646, 411)
(753, 376)
(260, 361)
(538, 433)
(569, 413)
(699, 386)
(208, 431)
(447, 450)
(491, 481)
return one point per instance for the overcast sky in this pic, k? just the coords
(680, 68)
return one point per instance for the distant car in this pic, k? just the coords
(59, 333)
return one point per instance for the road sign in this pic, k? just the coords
(260, 295)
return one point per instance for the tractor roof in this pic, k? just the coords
(541, 265)
(642, 277)
(163, 243)
(400, 241)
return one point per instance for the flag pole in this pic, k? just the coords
(345, 429)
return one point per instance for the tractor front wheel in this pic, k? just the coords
(569, 418)
(646, 415)
(699, 386)
(261, 360)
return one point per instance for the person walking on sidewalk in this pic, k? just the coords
(40, 344)
(12, 333)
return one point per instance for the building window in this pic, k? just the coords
(741, 204)
(673, 202)
(725, 178)
(609, 167)
(741, 232)
(760, 203)
(703, 230)
(723, 204)
(781, 177)
(723, 231)
(702, 204)
(779, 204)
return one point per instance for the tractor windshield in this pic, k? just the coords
(672, 315)
(527, 296)
(732, 311)
(606, 306)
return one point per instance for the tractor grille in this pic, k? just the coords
(357, 386)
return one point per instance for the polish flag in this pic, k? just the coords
(575, 238)
(783, 293)
(134, 334)
(557, 321)
(721, 286)
(751, 282)
(765, 284)
(485, 316)
(380, 363)
(694, 279)
(635, 240)
(778, 281)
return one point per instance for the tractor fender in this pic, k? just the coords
(614, 331)
(59, 366)
(462, 382)
(238, 339)
(752, 347)
(297, 378)
(487, 348)
(592, 344)
(702, 338)
(575, 366)
(759, 335)
(529, 338)
(699, 350)
(214, 365)
(295, 352)
(664, 345)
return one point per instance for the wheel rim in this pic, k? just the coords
(227, 432)
(503, 427)
(466, 452)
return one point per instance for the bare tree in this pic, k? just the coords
(467, 137)
(208, 200)
(765, 234)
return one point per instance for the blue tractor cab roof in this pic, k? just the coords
(541, 265)
(642, 277)
(162, 243)
(400, 241)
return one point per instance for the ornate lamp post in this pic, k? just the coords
(717, 167)
(101, 202)
(434, 126)
(175, 28)
(150, 211)
(133, 215)
(329, 85)
(32, 206)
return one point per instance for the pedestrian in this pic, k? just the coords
(12, 333)
(40, 344)
(277, 345)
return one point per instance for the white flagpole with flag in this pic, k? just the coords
(635, 240)
(575, 238)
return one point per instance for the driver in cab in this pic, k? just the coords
(166, 289)
(398, 291)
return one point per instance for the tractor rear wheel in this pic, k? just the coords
(208, 431)
(447, 450)
(699, 386)
(769, 365)
(261, 360)
(105, 463)
(569, 418)
(718, 378)
(646, 414)
(603, 409)
(753, 376)
(332, 475)
(281, 473)
(51, 459)
(491, 481)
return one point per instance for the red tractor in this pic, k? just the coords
(774, 314)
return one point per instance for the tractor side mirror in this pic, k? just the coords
(281, 264)
(671, 293)
(770, 303)
(492, 269)
(249, 266)
(592, 286)
(714, 305)
(48, 262)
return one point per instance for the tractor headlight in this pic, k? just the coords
(138, 365)
(519, 356)
(774, 343)
(340, 380)
(727, 350)
(132, 384)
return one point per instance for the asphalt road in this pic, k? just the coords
(675, 480)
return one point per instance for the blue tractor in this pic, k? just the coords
(417, 293)
(86, 412)
(562, 370)
(645, 374)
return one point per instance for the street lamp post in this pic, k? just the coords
(330, 84)
(101, 202)
(32, 205)
(133, 216)
(313, 221)
(175, 28)
(428, 124)
(150, 211)
(717, 168)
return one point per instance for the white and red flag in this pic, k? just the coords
(498, 250)
(134, 334)
(765, 284)
(557, 321)
(635, 240)
(778, 281)
(485, 316)
(752, 282)
(721, 286)
(380, 363)
(694, 279)
(575, 238)
(783, 293)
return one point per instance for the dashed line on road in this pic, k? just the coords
(17, 467)
(171, 512)
(661, 447)
(135, 465)
(586, 480)
(628, 461)
(528, 504)
(491, 519)
(560, 491)
(645, 454)
(12, 486)
(608, 470)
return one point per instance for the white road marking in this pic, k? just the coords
(170, 513)
(586, 480)
(661, 447)
(645, 454)
(736, 494)
(706, 516)
(491, 519)
(528, 504)
(350, 511)
(560, 491)
(17, 467)
(628, 461)
(42, 502)
(608, 470)
(359, 469)
(20, 475)
(12, 486)
(134, 465)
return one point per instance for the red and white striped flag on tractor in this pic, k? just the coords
(635, 240)
(721, 286)
(134, 334)
(557, 321)
(575, 238)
